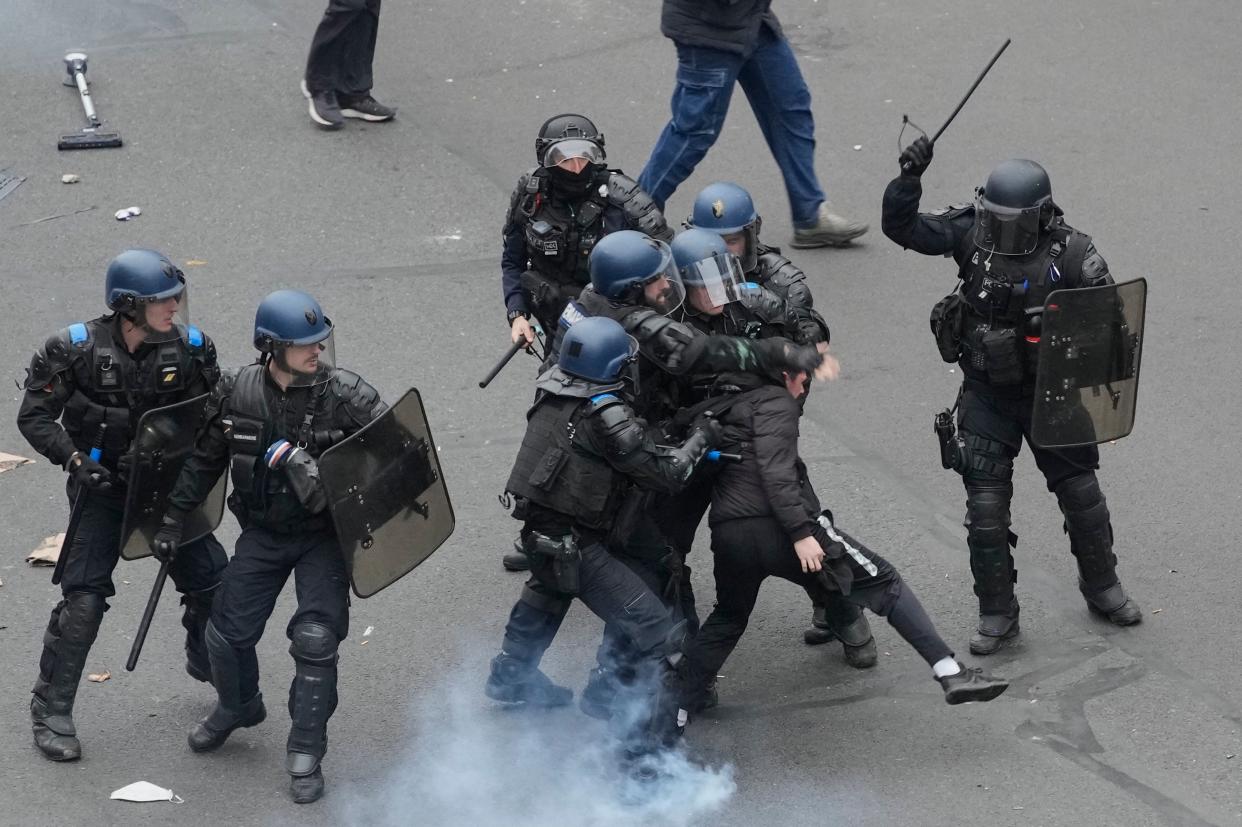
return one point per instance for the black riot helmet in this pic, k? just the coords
(567, 127)
(1013, 207)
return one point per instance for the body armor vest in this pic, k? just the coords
(555, 473)
(114, 387)
(561, 234)
(1003, 298)
(259, 414)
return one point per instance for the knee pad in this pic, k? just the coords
(80, 616)
(313, 643)
(1082, 502)
(987, 516)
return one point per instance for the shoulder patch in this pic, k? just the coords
(194, 336)
(78, 333)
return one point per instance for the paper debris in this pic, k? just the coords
(10, 461)
(48, 551)
(70, 178)
(128, 213)
(195, 262)
(99, 677)
(143, 791)
(368, 632)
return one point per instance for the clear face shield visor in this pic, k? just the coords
(1007, 231)
(664, 292)
(573, 155)
(306, 363)
(162, 317)
(711, 283)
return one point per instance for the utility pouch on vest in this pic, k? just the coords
(1004, 360)
(565, 557)
(952, 447)
(544, 477)
(946, 326)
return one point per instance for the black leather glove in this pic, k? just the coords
(916, 157)
(167, 539)
(86, 471)
(712, 430)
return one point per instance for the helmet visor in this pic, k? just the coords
(1006, 231)
(164, 316)
(574, 149)
(664, 291)
(303, 365)
(714, 281)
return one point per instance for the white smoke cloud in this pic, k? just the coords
(473, 762)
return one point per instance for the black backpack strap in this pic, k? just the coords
(1073, 257)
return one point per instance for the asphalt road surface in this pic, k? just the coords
(395, 227)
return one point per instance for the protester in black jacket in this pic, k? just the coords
(766, 520)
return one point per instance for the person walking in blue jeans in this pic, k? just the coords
(720, 42)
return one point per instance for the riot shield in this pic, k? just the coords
(387, 496)
(162, 444)
(1091, 344)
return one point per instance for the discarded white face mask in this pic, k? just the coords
(143, 791)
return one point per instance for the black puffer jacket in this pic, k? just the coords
(771, 480)
(729, 25)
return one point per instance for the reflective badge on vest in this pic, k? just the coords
(571, 314)
(168, 376)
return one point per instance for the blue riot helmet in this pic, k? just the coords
(598, 350)
(728, 210)
(1013, 207)
(712, 275)
(149, 291)
(292, 331)
(628, 267)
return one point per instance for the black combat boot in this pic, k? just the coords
(234, 675)
(514, 681)
(820, 632)
(598, 694)
(993, 630)
(971, 684)
(516, 560)
(194, 619)
(858, 644)
(71, 630)
(1113, 604)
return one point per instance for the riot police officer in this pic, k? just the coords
(728, 210)
(1012, 247)
(268, 424)
(86, 390)
(558, 212)
(584, 451)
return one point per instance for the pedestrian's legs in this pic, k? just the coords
(781, 101)
(705, 79)
(324, 64)
(358, 53)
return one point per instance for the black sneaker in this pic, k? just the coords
(366, 108)
(325, 111)
(971, 684)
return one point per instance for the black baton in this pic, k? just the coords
(520, 344)
(143, 627)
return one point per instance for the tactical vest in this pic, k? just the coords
(1003, 298)
(114, 387)
(556, 473)
(561, 234)
(258, 415)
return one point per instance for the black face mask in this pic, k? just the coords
(569, 183)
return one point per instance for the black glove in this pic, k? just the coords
(167, 539)
(88, 472)
(712, 430)
(916, 157)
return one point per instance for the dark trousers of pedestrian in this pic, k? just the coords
(749, 550)
(343, 48)
(257, 574)
(993, 423)
(780, 99)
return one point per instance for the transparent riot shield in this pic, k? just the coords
(1090, 349)
(387, 496)
(163, 442)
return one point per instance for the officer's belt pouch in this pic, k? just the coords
(1004, 360)
(549, 468)
(946, 327)
(565, 557)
